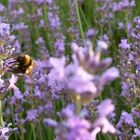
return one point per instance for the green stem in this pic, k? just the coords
(12, 113)
(78, 104)
(40, 130)
(79, 20)
(21, 129)
(101, 97)
(84, 18)
(33, 131)
(1, 117)
(21, 135)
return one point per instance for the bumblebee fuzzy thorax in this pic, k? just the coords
(27, 60)
(24, 60)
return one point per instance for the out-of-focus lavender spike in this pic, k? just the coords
(32, 115)
(12, 81)
(6, 131)
(82, 72)
(76, 126)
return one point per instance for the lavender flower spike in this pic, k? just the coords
(124, 45)
(58, 65)
(77, 127)
(108, 76)
(104, 109)
(12, 81)
(94, 133)
(109, 108)
(6, 131)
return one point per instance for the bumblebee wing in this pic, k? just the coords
(12, 65)
(12, 69)
(34, 64)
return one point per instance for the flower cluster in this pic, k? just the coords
(84, 71)
(6, 131)
(129, 69)
(6, 50)
(78, 127)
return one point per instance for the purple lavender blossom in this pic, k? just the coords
(129, 68)
(42, 23)
(136, 113)
(91, 33)
(4, 33)
(102, 45)
(124, 44)
(127, 118)
(77, 127)
(2, 8)
(102, 121)
(40, 41)
(137, 132)
(108, 75)
(121, 25)
(58, 65)
(50, 122)
(6, 131)
(123, 5)
(126, 122)
(19, 26)
(79, 73)
(38, 93)
(55, 82)
(59, 44)
(105, 38)
(68, 111)
(17, 13)
(12, 81)
(109, 108)
(39, 1)
(4, 29)
(54, 20)
(44, 2)
(83, 80)
(32, 115)
(18, 97)
(6, 50)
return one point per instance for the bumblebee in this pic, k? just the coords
(22, 65)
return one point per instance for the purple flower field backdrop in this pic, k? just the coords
(81, 78)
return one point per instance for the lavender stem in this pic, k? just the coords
(1, 117)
